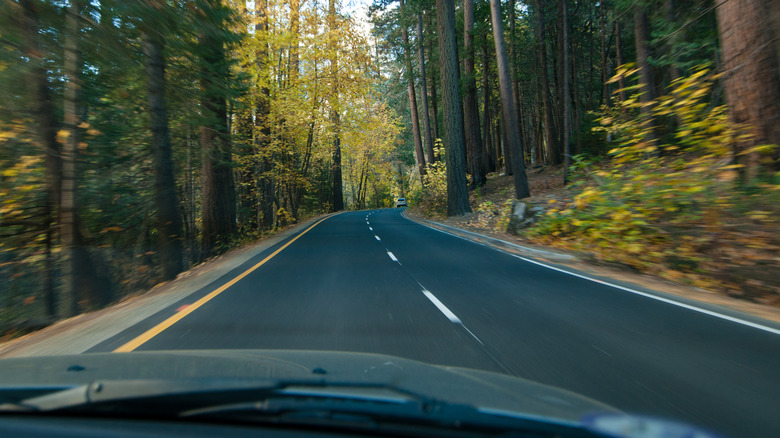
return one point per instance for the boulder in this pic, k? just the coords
(524, 214)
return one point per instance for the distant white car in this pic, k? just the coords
(401, 202)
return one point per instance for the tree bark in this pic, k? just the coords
(43, 113)
(452, 111)
(473, 139)
(70, 266)
(565, 98)
(487, 145)
(218, 197)
(435, 109)
(550, 139)
(418, 148)
(750, 40)
(606, 99)
(508, 113)
(337, 184)
(516, 91)
(619, 59)
(295, 13)
(262, 130)
(647, 83)
(168, 220)
(424, 91)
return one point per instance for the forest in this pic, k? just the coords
(140, 138)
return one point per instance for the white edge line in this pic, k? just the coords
(656, 297)
(623, 288)
(447, 312)
(392, 257)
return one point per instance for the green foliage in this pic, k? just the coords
(664, 206)
(431, 197)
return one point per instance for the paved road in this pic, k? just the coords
(376, 282)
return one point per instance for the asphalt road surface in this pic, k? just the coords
(376, 282)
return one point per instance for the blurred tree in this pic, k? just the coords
(509, 112)
(169, 224)
(418, 147)
(750, 37)
(452, 111)
(471, 113)
(219, 215)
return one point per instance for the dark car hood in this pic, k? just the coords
(489, 391)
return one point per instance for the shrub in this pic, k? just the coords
(669, 202)
(431, 197)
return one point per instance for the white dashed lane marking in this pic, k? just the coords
(447, 312)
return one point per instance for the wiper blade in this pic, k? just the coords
(185, 395)
(134, 394)
(308, 402)
(49, 400)
(328, 409)
(300, 398)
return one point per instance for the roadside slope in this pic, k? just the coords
(80, 333)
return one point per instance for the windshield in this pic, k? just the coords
(547, 211)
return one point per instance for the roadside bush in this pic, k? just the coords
(673, 207)
(431, 198)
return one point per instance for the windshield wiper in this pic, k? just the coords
(384, 407)
(186, 395)
(359, 406)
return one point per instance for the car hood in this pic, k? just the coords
(491, 392)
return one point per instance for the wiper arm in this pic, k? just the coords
(177, 396)
(77, 395)
(326, 406)
(316, 402)
(297, 397)
(134, 393)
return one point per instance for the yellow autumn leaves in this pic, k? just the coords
(670, 206)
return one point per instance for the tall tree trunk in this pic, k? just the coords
(750, 39)
(218, 197)
(424, 90)
(295, 13)
(647, 82)
(473, 140)
(508, 113)
(671, 18)
(168, 219)
(606, 99)
(516, 91)
(565, 98)
(262, 130)
(619, 59)
(550, 138)
(452, 111)
(43, 112)
(70, 265)
(487, 145)
(338, 190)
(418, 148)
(435, 109)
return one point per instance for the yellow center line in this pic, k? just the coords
(156, 330)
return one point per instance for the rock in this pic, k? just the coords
(523, 215)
